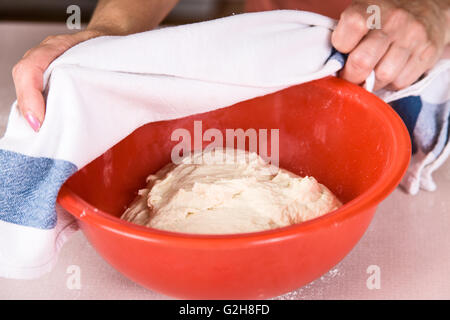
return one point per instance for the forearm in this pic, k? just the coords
(121, 17)
(444, 5)
(448, 23)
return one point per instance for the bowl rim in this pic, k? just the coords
(370, 198)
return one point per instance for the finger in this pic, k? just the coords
(409, 38)
(417, 65)
(28, 83)
(391, 65)
(366, 56)
(28, 80)
(351, 28)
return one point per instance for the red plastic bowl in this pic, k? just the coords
(347, 138)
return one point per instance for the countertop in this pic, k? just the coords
(408, 240)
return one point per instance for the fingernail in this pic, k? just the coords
(33, 121)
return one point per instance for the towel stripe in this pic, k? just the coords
(29, 187)
(409, 109)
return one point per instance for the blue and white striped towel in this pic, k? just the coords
(425, 109)
(101, 90)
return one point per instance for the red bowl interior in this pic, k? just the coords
(347, 138)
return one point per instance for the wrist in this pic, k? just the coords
(87, 34)
(447, 14)
(96, 31)
(100, 29)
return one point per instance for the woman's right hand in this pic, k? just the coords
(111, 17)
(28, 73)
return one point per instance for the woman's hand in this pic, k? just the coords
(28, 73)
(412, 37)
(111, 17)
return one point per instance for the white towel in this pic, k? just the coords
(425, 109)
(101, 90)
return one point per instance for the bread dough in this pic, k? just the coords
(232, 191)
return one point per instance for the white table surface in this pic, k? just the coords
(409, 238)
